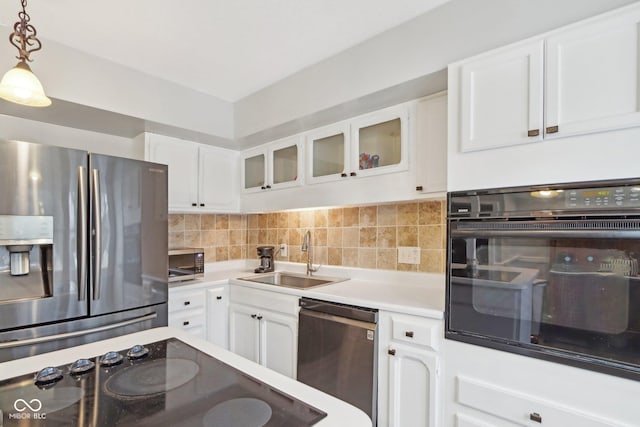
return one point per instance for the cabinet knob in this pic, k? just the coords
(187, 303)
(218, 297)
(353, 174)
(185, 323)
(259, 317)
(534, 416)
(552, 129)
(408, 334)
(391, 352)
(533, 132)
(202, 205)
(268, 187)
(253, 316)
(419, 188)
(194, 204)
(343, 175)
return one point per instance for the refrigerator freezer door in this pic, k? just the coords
(129, 221)
(42, 184)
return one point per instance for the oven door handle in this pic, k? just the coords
(31, 341)
(559, 234)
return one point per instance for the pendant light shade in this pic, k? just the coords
(21, 86)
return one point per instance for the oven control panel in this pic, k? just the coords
(605, 197)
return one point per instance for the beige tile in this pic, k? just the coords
(306, 219)
(367, 258)
(334, 237)
(192, 239)
(443, 211)
(407, 235)
(222, 253)
(430, 237)
(237, 237)
(209, 255)
(176, 222)
(208, 222)
(335, 218)
(320, 217)
(222, 222)
(387, 259)
(335, 256)
(252, 221)
(282, 236)
(272, 220)
(368, 215)
(320, 256)
(283, 220)
(237, 222)
(252, 236)
(430, 212)
(431, 261)
(350, 237)
(263, 221)
(294, 219)
(350, 257)
(235, 252)
(368, 237)
(208, 238)
(271, 237)
(192, 222)
(295, 237)
(386, 237)
(222, 237)
(176, 239)
(407, 267)
(387, 215)
(408, 214)
(320, 237)
(351, 217)
(295, 253)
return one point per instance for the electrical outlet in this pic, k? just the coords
(283, 250)
(408, 255)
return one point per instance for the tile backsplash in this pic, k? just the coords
(359, 236)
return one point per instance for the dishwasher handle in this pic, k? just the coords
(338, 319)
(342, 310)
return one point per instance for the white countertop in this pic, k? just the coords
(338, 412)
(421, 294)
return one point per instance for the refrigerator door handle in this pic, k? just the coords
(81, 249)
(97, 232)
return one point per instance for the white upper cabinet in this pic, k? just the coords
(202, 178)
(274, 165)
(327, 153)
(577, 80)
(431, 144)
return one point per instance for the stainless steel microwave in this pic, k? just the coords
(186, 264)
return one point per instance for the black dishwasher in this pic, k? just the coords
(337, 351)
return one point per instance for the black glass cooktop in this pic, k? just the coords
(173, 384)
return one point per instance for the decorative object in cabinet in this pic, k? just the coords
(274, 165)
(502, 102)
(202, 178)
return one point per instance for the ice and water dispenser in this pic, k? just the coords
(26, 255)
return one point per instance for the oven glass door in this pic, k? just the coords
(567, 285)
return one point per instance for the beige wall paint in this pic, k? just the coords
(357, 236)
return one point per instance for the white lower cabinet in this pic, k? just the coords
(200, 310)
(408, 370)
(263, 327)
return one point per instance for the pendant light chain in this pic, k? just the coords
(24, 36)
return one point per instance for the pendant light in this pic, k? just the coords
(19, 84)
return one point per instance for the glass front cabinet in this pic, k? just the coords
(274, 165)
(368, 145)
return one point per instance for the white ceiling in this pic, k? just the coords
(225, 48)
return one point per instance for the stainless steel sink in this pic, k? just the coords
(292, 280)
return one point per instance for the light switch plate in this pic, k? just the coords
(408, 255)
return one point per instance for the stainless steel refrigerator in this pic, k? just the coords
(83, 247)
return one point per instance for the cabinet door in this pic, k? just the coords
(431, 144)
(285, 163)
(182, 159)
(501, 98)
(379, 142)
(217, 316)
(413, 379)
(243, 331)
(218, 179)
(279, 342)
(592, 77)
(327, 153)
(254, 170)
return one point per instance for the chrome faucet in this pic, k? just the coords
(307, 246)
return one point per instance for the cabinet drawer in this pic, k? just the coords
(189, 300)
(415, 330)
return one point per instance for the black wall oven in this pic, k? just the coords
(549, 272)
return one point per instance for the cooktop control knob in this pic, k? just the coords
(111, 358)
(49, 375)
(137, 352)
(81, 366)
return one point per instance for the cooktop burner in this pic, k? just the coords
(163, 383)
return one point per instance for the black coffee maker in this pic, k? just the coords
(266, 259)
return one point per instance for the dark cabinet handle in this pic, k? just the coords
(352, 174)
(391, 352)
(187, 303)
(253, 316)
(263, 188)
(259, 317)
(533, 132)
(218, 297)
(194, 204)
(343, 175)
(202, 205)
(185, 323)
(534, 416)
(419, 188)
(408, 334)
(552, 129)
(268, 187)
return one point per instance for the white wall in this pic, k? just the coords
(428, 43)
(13, 128)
